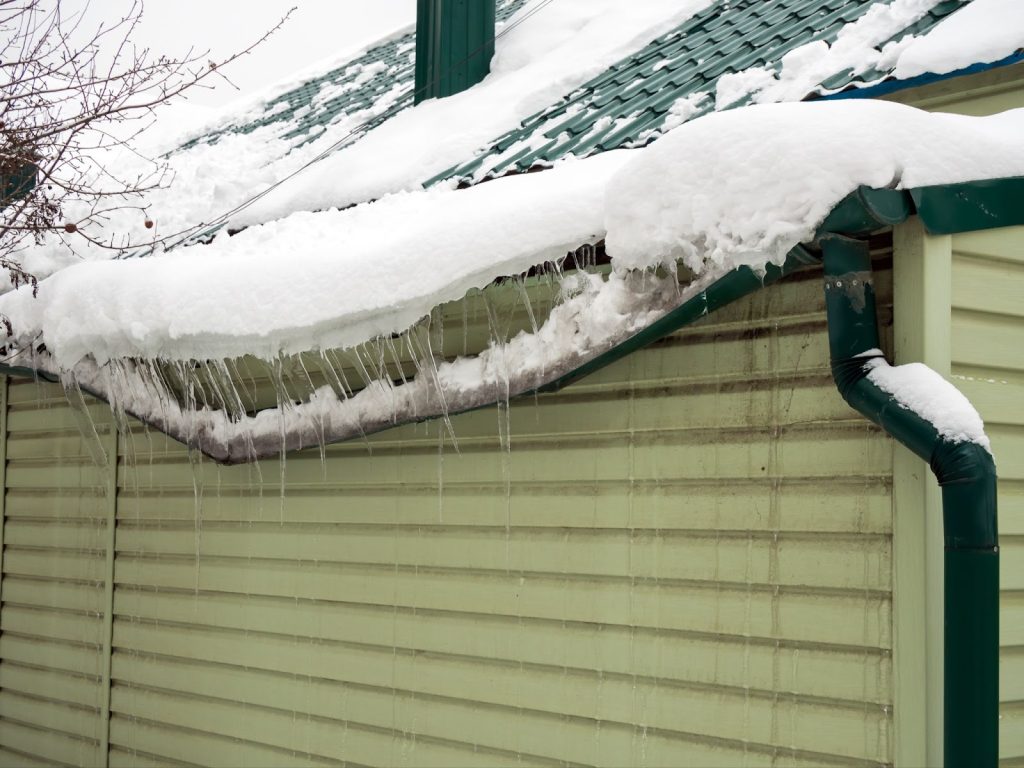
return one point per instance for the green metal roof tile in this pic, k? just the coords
(625, 105)
(689, 60)
(300, 115)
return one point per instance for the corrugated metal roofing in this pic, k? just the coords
(630, 103)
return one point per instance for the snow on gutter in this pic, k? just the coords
(731, 190)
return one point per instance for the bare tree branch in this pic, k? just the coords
(67, 93)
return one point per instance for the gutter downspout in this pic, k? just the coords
(967, 475)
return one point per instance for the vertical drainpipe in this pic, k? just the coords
(967, 476)
(454, 46)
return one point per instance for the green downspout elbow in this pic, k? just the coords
(967, 475)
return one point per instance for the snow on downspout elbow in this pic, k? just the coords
(918, 388)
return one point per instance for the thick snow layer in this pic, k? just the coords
(981, 32)
(728, 189)
(918, 388)
(746, 185)
(329, 279)
(549, 49)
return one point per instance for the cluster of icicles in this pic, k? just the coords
(246, 409)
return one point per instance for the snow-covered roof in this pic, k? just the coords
(316, 267)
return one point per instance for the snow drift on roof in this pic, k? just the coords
(744, 186)
(980, 33)
(549, 49)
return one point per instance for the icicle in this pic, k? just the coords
(84, 421)
(527, 302)
(390, 343)
(432, 369)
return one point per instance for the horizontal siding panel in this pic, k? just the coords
(1011, 618)
(122, 758)
(44, 475)
(797, 558)
(856, 505)
(854, 617)
(58, 625)
(49, 746)
(54, 716)
(1011, 506)
(284, 729)
(1008, 448)
(1011, 562)
(65, 565)
(60, 446)
(1011, 671)
(793, 346)
(51, 654)
(87, 535)
(573, 705)
(988, 285)
(83, 690)
(820, 451)
(54, 415)
(1011, 730)
(610, 745)
(42, 593)
(81, 504)
(987, 340)
(22, 391)
(702, 659)
(20, 759)
(993, 244)
(999, 401)
(176, 746)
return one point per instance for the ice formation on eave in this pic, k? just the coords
(737, 188)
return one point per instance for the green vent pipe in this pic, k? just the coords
(454, 46)
(966, 472)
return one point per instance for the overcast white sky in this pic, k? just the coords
(318, 29)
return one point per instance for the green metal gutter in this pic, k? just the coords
(967, 475)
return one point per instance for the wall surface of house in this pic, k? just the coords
(683, 559)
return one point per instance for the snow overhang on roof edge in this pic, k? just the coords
(944, 209)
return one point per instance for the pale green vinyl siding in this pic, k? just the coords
(683, 560)
(988, 367)
(51, 624)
